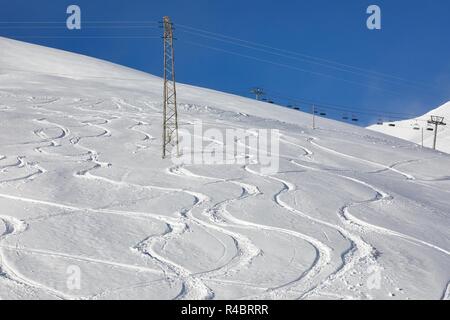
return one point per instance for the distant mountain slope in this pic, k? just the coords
(411, 130)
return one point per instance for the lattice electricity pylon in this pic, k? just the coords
(170, 114)
(437, 121)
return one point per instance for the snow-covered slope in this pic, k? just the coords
(88, 209)
(411, 129)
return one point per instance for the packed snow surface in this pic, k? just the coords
(89, 210)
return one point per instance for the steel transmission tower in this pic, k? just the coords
(170, 115)
(437, 121)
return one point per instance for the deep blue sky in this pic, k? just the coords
(413, 45)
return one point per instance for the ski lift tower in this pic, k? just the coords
(170, 114)
(437, 121)
(258, 92)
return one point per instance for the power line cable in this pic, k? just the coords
(239, 42)
(287, 53)
(302, 55)
(288, 66)
(83, 37)
(293, 57)
(82, 28)
(74, 75)
(83, 21)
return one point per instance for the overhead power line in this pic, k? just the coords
(114, 24)
(283, 65)
(123, 24)
(84, 22)
(102, 26)
(245, 44)
(83, 37)
(366, 75)
(308, 58)
(87, 25)
(75, 75)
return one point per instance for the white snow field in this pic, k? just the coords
(89, 210)
(411, 129)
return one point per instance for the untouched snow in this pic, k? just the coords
(411, 129)
(351, 214)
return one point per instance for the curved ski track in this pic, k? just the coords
(312, 281)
